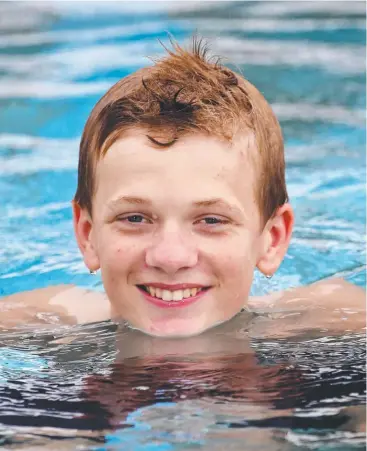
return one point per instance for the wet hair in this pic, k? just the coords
(186, 92)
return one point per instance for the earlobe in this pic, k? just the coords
(83, 233)
(275, 240)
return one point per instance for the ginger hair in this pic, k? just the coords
(186, 92)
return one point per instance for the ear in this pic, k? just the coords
(83, 233)
(275, 240)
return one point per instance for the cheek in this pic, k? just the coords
(116, 253)
(237, 269)
(237, 252)
(235, 260)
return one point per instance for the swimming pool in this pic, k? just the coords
(56, 60)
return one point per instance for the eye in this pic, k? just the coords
(213, 220)
(133, 219)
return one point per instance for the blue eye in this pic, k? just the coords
(132, 219)
(212, 220)
(135, 219)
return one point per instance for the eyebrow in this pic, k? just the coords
(207, 203)
(130, 200)
(217, 202)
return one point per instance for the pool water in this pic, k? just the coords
(78, 387)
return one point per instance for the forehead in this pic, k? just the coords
(195, 165)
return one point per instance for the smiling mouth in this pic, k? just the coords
(174, 295)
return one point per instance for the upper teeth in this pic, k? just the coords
(176, 295)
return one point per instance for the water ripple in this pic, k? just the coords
(299, 53)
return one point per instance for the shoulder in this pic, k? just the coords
(329, 293)
(332, 304)
(59, 304)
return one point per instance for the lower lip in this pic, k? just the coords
(173, 304)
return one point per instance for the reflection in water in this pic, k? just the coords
(119, 386)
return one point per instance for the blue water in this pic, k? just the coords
(58, 58)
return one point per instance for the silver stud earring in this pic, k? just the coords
(93, 273)
(268, 276)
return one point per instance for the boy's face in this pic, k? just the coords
(169, 221)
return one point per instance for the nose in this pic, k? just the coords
(171, 251)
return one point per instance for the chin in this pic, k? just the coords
(174, 328)
(178, 328)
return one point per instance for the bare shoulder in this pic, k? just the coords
(333, 304)
(59, 304)
(330, 293)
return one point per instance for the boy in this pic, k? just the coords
(181, 195)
